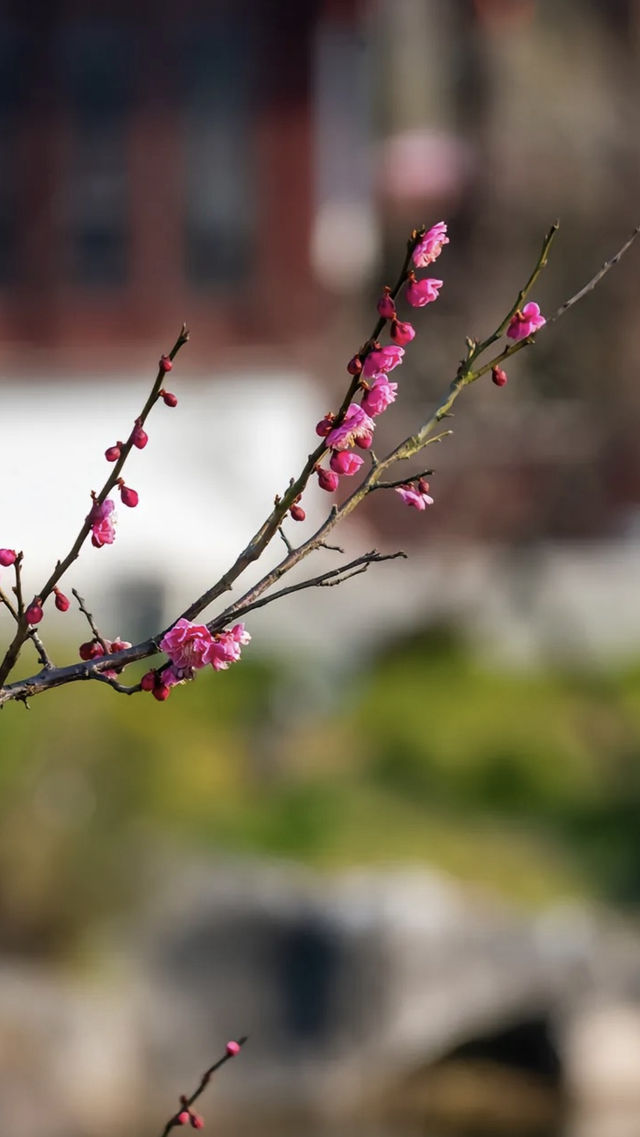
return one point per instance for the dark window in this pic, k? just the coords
(96, 67)
(220, 204)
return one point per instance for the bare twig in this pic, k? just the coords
(187, 1102)
(91, 622)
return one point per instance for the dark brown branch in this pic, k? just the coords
(91, 622)
(187, 1102)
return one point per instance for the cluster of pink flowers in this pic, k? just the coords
(373, 366)
(95, 649)
(191, 647)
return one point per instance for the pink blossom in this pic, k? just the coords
(325, 426)
(382, 359)
(7, 557)
(226, 646)
(430, 246)
(526, 322)
(344, 462)
(412, 496)
(402, 332)
(187, 645)
(327, 480)
(421, 292)
(380, 395)
(386, 306)
(355, 428)
(102, 520)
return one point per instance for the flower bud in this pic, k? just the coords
(354, 366)
(148, 681)
(499, 376)
(196, 1121)
(161, 692)
(364, 441)
(90, 650)
(344, 462)
(7, 557)
(112, 453)
(128, 496)
(325, 426)
(327, 479)
(183, 1117)
(386, 306)
(297, 513)
(61, 602)
(423, 486)
(169, 399)
(139, 436)
(233, 1048)
(165, 363)
(402, 332)
(34, 612)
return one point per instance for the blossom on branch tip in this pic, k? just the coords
(7, 557)
(102, 521)
(233, 1048)
(415, 497)
(379, 396)
(402, 332)
(430, 246)
(524, 323)
(344, 462)
(355, 427)
(422, 292)
(382, 359)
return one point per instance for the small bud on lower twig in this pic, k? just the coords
(34, 612)
(499, 376)
(62, 602)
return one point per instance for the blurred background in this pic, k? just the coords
(398, 845)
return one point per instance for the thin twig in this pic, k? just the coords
(187, 1102)
(91, 622)
(595, 280)
(403, 481)
(41, 651)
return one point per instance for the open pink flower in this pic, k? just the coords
(526, 322)
(357, 427)
(187, 645)
(422, 292)
(380, 395)
(102, 520)
(344, 462)
(412, 497)
(382, 359)
(226, 647)
(430, 246)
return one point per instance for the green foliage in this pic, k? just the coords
(526, 782)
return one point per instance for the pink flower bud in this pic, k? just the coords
(499, 376)
(183, 1117)
(196, 1121)
(61, 602)
(297, 513)
(34, 612)
(139, 436)
(165, 363)
(327, 480)
(421, 292)
(113, 452)
(364, 441)
(148, 681)
(90, 650)
(233, 1048)
(402, 333)
(423, 486)
(161, 692)
(354, 366)
(128, 496)
(386, 306)
(325, 426)
(7, 557)
(344, 462)
(119, 645)
(169, 399)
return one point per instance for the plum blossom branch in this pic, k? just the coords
(22, 632)
(185, 1115)
(90, 620)
(351, 424)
